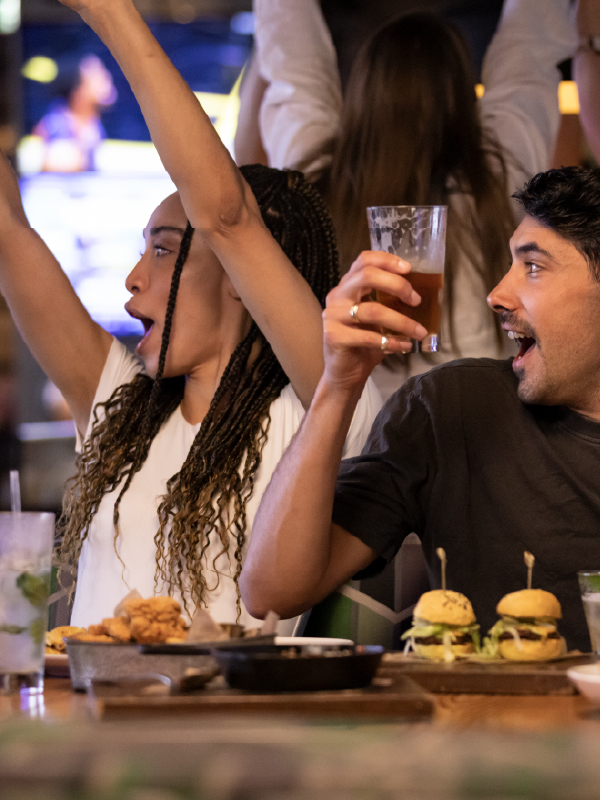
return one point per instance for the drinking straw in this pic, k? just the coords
(529, 562)
(441, 553)
(15, 492)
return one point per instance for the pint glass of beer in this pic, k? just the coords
(416, 234)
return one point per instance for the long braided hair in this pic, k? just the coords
(205, 501)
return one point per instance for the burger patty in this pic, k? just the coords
(457, 638)
(525, 633)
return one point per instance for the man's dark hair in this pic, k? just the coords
(568, 201)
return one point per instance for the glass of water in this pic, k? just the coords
(589, 585)
(26, 540)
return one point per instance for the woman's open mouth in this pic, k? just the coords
(147, 322)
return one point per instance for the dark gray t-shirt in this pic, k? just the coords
(456, 457)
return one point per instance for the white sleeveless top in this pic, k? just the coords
(102, 579)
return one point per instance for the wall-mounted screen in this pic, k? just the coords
(90, 177)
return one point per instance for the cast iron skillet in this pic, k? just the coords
(262, 668)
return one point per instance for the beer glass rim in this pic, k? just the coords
(407, 205)
(413, 207)
(585, 572)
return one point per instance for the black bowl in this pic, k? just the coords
(264, 668)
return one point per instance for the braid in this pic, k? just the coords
(205, 502)
(151, 424)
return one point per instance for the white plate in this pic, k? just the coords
(587, 680)
(287, 641)
(56, 664)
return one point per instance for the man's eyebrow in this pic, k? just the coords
(161, 228)
(531, 247)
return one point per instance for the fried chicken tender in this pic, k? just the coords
(118, 628)
(155, 609)
(147, 631)
(93, 637)
(54, 638)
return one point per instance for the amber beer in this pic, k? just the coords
(429, 311)
(418, 235)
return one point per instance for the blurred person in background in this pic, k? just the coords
(410, 131)
(178, 444)
(72, 130)
(586, 64)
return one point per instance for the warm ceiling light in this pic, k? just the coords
(568, 98)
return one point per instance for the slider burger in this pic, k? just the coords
(443, 626)
(527, 630)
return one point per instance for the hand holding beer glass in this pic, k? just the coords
(416, 234)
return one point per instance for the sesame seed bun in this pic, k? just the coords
(445, 607)
(533, 650)
(436, 652)
(529, 603)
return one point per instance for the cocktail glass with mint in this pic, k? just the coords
(26, 541)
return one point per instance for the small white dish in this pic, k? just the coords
(587, 680)
(288, 641)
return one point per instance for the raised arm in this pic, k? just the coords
(299, 117)
(520, 75)
(69, 346)
(296, 555)
(587, 71)
(216, 199)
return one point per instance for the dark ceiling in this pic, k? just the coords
(351, 21)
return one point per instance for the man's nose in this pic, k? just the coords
(503, 297)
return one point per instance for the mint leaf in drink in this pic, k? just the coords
(36, 588)
(15, 630)
(37, 629)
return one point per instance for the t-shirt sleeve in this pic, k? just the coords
(121, 367)
(365, 414)
(381, 495)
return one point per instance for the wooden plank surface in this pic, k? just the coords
(505, 678)
(388, 697)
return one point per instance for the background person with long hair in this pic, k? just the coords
(176, 453)
(409, 131)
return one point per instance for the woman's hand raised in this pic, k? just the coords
(354, 343)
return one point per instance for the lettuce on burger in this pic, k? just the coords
(527, 630)
(443, 626)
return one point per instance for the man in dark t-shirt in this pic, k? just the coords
(484, 458)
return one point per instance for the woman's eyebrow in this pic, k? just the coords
(161, 228)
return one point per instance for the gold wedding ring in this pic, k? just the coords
(354, 314)
(384, 344)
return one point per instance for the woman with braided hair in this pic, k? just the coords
(178, 444)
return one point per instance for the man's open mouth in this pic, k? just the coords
(526, 343)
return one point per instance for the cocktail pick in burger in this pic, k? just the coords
(527, 628)
(444, 626)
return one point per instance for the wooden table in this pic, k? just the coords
(505, 747)
(498, 712)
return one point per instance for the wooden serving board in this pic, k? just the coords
(469, 677)
(391, 697)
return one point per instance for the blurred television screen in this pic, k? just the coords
(90, 177)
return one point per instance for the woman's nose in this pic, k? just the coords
(134, 282)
